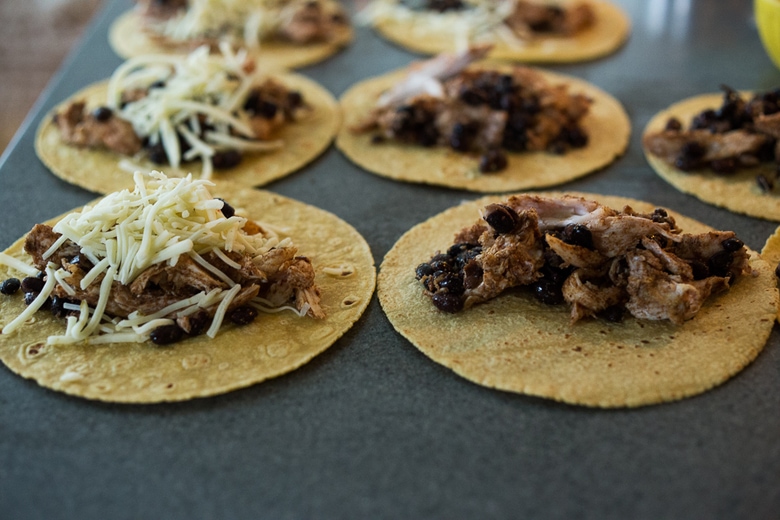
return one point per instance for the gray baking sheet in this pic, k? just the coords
(372, 428)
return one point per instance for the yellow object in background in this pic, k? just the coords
(768, 21)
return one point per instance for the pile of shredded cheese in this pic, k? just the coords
(129, 231)
(481, 22)
(194, 90)
(242, 23)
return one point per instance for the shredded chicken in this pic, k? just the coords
(530, 18)
(598, 260)
(80, 128)
(281, 277)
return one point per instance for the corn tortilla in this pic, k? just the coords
(272, 345)
(606, 124)
(517, 344)
(128, 40)
(610, 30)
(96, 169)
(738, 192)
(771, 253)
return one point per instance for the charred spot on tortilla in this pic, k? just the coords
(219, 114)
(599, 261)
(482, 126)
(167, 264)
(723, 151)
(286, 33)
(521, 30)
(524, 341)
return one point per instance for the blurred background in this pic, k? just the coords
(36, 37)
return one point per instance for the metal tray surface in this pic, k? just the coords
(372, 428)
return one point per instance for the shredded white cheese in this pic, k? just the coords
(199, 96)
(127, 232)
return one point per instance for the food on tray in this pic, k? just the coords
(246, 286)
(484, 127)
(723, 151)
(215, 115)
(521, 30)
(771, 253)
(563, 297)
(284, 33)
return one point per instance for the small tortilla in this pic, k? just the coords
(738, 192)
(610, 30)
(272, 345)
(517, 344)
(771, 254)
(128, 40)
(97, 170)
(606, 124)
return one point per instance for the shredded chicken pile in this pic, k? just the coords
(739, 134)
(483, 111)
(599, 261)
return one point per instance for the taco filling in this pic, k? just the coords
(480, 112)
(171, 110)
(511, 21)
(162, 262)
(599, 261)
(242, 23)
(741, 133)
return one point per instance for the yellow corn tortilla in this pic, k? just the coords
(606, 124)
(517, 344)
(128, 39)
(237, 357)
(610, 30)
(96, 170)
(771, 253)
(738, 192)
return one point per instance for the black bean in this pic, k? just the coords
(493, 161)
(41, 275)
(294, 99)
(423, 270)
(82, 263)
(444, 266)
(102, 114)
(764, 183)
(377, 139)
(614, 313)
(501, 218)
(227, 209)
(226, 159)
(456, 249)
(578, 235)
(58, 307)
(157, 84)
(673, 124)
(547, 291)
(29, 297)
(166, 335)
(243, 315)
(732, 244)
(198, 323)
(699, 269)
(30, 284)
(471, 97)
(719, 263)
(724, 166)
(692, 150)
(452, 284)
(10, 286)
(447, 302)
(267, 109)
(157, 154)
